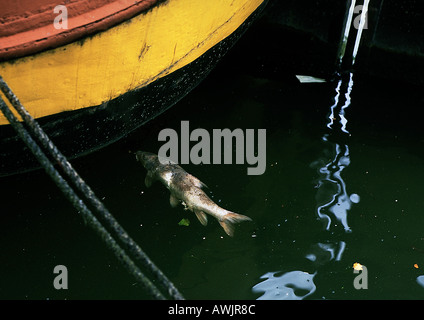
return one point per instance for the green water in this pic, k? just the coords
(328, 199)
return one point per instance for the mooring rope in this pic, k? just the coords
(80, 184)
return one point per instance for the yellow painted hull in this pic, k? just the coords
(123, 58)
(92, 92)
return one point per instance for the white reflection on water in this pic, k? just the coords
(420, 280)
(324, 252)
(346, 104)
(332, 117)
(343, 119)
(333, 199)
(293, 285)
(332, 194)
(332, 188)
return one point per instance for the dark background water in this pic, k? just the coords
(297, 246)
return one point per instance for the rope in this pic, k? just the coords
(79, 183)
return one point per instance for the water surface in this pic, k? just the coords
(342, 185)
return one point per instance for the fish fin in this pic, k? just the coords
(202, 185)
(173, 201)
(202, 217)
(230, 219)
(197, 182)
(149, 179)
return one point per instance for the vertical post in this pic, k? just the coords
(360, 28)
(345, 34)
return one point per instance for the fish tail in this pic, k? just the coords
(227, 221)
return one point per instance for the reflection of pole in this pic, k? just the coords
(343, 119)
(340, 202)
(337, 102)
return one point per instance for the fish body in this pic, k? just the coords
(187, 189)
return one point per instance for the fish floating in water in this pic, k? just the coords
(187, 189)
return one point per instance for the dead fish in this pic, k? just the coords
(187, 189)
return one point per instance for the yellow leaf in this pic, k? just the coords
(357, 266)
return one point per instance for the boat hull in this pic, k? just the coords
(92, 126)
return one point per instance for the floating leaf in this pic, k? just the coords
(309, 79)
(184, 222)
(357, 266)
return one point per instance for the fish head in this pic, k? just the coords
(147, 159)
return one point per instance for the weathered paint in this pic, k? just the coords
(128, 56)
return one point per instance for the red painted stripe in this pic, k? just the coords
(27, 26)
